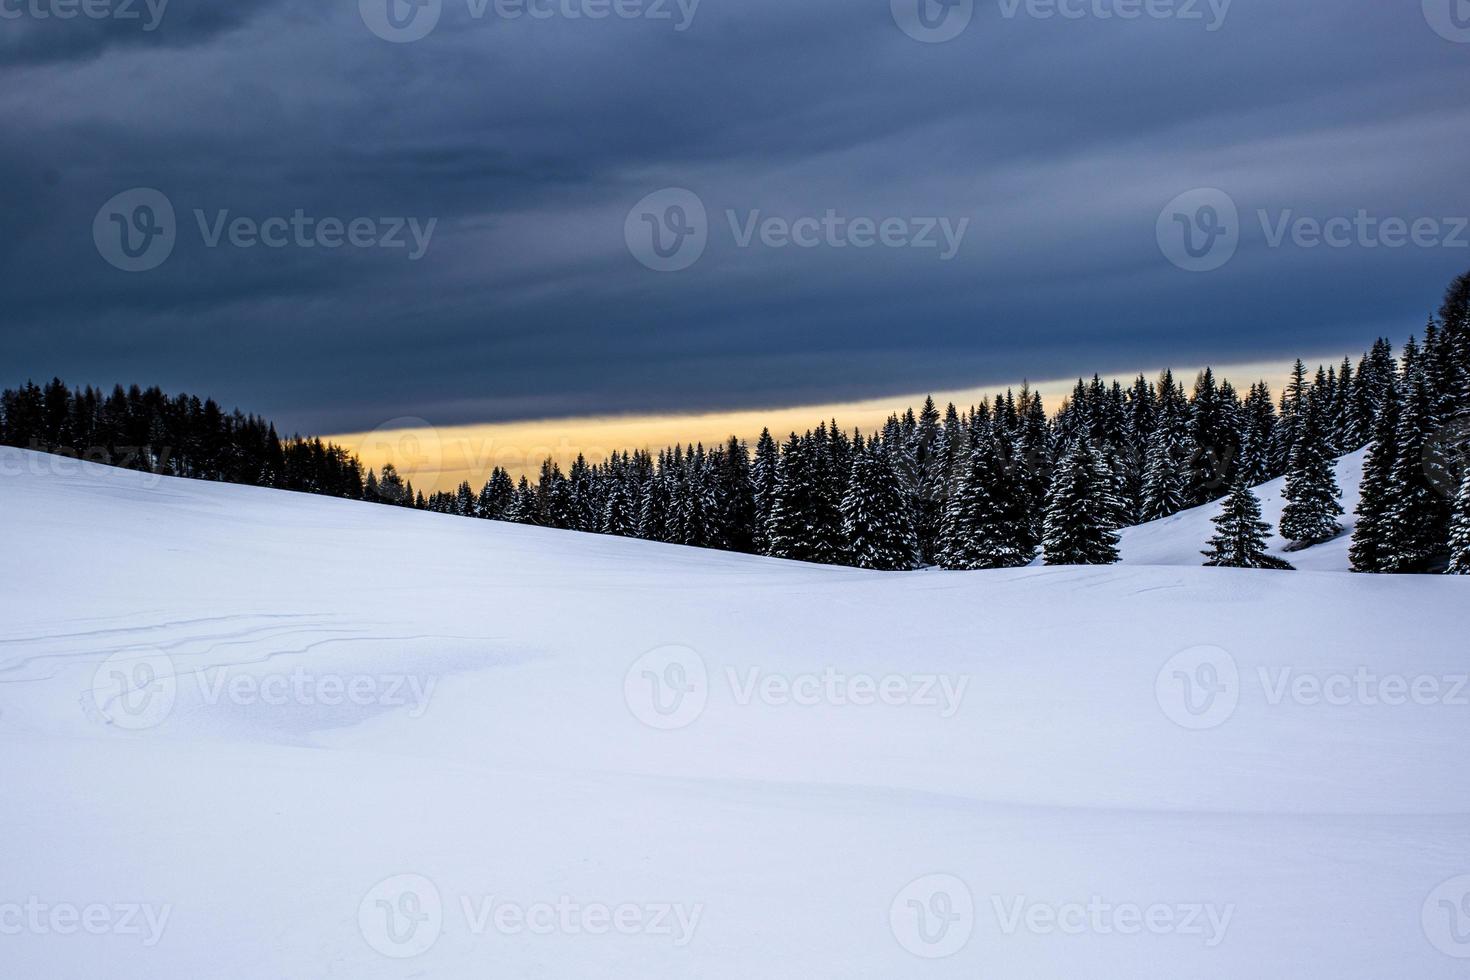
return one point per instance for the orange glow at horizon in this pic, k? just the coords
(439, 458)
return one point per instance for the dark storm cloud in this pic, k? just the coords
(528, 140)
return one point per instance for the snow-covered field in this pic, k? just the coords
(252, 734)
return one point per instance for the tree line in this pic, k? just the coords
(991, 486)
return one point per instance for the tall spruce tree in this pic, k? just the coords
(1371, 536)
(804, 525)
(985, 522)
(1418, 515)
(1240, 534)
(1080, 529)
(875, 516)
(1311, 493)
(1460, 526)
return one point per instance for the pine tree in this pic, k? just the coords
(875, 516)
(1371, 536)
(1418, 515)
(1240, 534)
(1460, 525)
(1163, 477)
(763, 473)
(1311, 493)
(985, 520)
(804, 524)
(1079, 528)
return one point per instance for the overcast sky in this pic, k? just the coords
(1017, 179)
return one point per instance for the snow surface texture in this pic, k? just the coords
(253, 734)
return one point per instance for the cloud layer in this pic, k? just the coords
(528, 139)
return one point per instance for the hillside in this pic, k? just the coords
(300, 736)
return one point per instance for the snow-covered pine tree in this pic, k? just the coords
(1240, 534)
(1460, 526)
(763, 484)
(653, 507)
(619, 512)
(1215, 441)
(875, 516)
(1079, 514)
(736, 495)
(985, 522)
(522, 509)
(1418, 514)
(1163, 477)
(1373, 533)
(803, 526)
(1311, 493)
(464, 500)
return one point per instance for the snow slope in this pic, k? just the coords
(1118, 780)
(1178, 540)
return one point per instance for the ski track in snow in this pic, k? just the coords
(527, 774)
